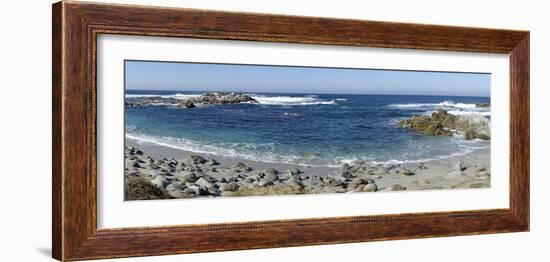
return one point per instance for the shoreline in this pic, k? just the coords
(218, 176)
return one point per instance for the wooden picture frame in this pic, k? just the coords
(76, 26)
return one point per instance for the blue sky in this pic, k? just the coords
(147, 75)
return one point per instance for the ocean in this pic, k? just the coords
(304, 129)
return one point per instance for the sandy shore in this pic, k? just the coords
(176, 173)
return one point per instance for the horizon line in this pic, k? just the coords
(319, 93)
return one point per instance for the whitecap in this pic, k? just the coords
(448, 104)
(291, 100)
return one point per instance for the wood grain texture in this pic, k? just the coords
(57, 195)
(76, 26)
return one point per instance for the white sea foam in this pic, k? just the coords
(451, 107)
(462, 112)
(254, 152)
(251, 151)
(466, 150)
(449, 104)
(291, 100)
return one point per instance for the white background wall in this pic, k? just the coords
(25, 129)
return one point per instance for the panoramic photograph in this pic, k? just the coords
(207, 130)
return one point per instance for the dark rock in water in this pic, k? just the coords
(440, 123)
(437, 130)
(483, 105)
(198, 159)
(471, 134)
(187, 104)
(432, 126)
(218, 98)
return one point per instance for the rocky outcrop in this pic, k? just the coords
(441, 123)
(216, 98)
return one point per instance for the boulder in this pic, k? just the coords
(174, 187)
(270, 177)
(228, 187)
(357, 181)
(212, 162)
(370, 188)
(203, 183)
(345, 167)
(187, 177)
(271, 171)
(474, 126)
(406, 172)
(240, 167)
(197, 159)
(159, 181)
(294, 171)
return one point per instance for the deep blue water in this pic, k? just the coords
(305, 129)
